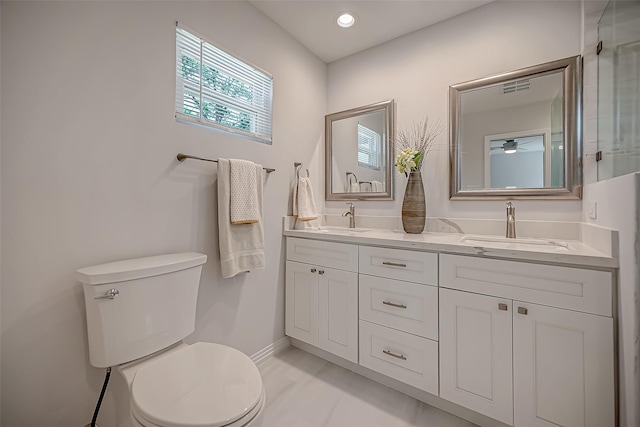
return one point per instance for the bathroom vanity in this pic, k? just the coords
(520, 331)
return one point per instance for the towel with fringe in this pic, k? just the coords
(241, 245)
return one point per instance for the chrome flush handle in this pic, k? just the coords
(110, 294)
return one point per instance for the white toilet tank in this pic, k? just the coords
(139, 306)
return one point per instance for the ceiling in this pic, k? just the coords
(313, 22)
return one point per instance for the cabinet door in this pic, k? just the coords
(338, 312)
(301, 302)
(563, 368)
(476, 354)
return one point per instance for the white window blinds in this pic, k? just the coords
(216, 89)
(369, 148)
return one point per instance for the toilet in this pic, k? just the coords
(138, 313)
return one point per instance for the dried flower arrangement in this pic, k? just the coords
(415, 144)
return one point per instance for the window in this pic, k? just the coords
(216, 89)
(368, 148)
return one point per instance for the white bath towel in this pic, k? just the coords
(377, 186)
(244, 192)
(241, 245)
(304, 204)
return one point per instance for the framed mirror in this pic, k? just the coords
(517, 135)
(358, 161)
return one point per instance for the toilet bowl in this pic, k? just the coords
(203, 384)
(138, 313)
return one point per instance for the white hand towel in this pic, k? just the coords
(304, 204)
(376, 187)
(244, 192)
(354, 187)
(241, 246)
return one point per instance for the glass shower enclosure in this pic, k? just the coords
(619, 89)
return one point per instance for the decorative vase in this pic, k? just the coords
(414, 209)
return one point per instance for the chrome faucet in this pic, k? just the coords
(511, 221)
(351, 213)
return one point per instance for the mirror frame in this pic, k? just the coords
(388, 107)
(571, 69)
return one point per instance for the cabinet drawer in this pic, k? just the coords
(577, 289)
(406, 306)
(411, 266)
(329, 254)
(404, 357)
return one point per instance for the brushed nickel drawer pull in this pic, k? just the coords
(393, 304)
(522, 310)
(397, 356)
(502, 306)
(394, 264)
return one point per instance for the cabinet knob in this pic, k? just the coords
(522, 310)
(502, 306)
(313, 270)
(321, 272)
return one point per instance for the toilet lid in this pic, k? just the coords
(204, 385)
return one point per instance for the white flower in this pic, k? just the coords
(406, 160)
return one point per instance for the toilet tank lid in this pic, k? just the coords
(138, 268)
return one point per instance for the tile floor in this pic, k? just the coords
(306, 391)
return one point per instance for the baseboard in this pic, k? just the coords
(267, 352)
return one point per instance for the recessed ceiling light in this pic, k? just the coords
(346, 20)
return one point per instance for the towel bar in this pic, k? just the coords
(182, 157)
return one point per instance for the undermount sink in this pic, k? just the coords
(516, 243)
(346, 230)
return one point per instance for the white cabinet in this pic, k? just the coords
(301, 302)
(563, 368)
(399, 315)
(578, 289)
(399, 355)
(405, 306)
(321, 303)
(399, 264)
(338, 312)
(527, 344)
(523, 363)
(476, 353)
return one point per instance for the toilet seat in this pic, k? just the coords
(204, 385)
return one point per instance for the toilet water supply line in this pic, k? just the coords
(104, 388)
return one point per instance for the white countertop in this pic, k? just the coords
(568, 252)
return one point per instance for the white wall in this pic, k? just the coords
(89, 175)
(617, 207)
(417, 70)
